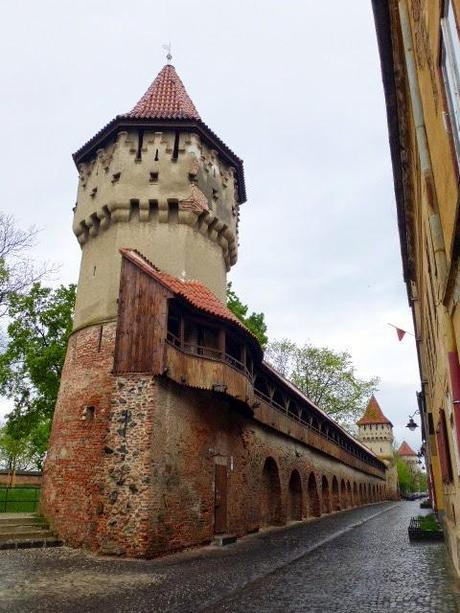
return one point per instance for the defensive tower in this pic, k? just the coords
(159, 180)
(376, 431)
(169, 428)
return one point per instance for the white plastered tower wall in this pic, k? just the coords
(378, 437)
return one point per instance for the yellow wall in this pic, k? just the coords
(430, 197)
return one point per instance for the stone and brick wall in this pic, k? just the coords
(72, 479)
(132, 461)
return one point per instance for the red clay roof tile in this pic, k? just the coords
(166, 98)
(406, 450)
(194, 292)
(373, 414)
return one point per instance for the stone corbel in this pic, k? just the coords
(144, 210)
(163, 211)
(119, 211)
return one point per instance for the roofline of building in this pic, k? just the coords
(369, 422)
(325, 415)
(382, 20)
(193, 125)
(22, 473)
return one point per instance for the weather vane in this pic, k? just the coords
(168, 49)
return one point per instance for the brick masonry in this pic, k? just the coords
(132, 461)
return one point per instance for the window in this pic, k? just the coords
(450, 62)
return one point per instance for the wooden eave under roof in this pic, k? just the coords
(389, 40)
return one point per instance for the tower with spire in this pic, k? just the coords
(375, 430)
(157, 179)
(166, 408)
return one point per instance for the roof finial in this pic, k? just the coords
(168, 49)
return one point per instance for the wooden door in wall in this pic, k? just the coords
(220, 500)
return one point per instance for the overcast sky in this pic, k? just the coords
(294, 88)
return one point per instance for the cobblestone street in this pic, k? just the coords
(356, 561)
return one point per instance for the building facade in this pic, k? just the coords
(376, 432)
(420, 57)
(169, 427)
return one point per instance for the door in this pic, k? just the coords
(220, 501)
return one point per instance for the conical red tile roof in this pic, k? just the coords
(373, 414)
(166, 98)
(406, 450)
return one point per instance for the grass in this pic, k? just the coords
(19, 499)
(428, 522)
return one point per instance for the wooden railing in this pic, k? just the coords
(210, 353)
(352, 449)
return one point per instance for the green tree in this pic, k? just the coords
(408, 477)
(327, 377)
(16, 453)
(31, 365)
(255, 321)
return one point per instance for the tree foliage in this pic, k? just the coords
(327, 377)
(20, 452)
(31, 365)
(410, 478)
(255, 321)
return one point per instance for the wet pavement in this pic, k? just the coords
(355, 561)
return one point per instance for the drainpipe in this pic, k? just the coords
(422, 144)
(416, 101)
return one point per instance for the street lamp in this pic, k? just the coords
(411, 423)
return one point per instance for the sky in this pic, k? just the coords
(294, 88)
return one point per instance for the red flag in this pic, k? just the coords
(400, 333)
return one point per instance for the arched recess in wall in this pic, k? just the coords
(325, 495)
(356, 500)
(349, 496)
(335, 494)
(314, 506)
(361, 493)
(295, 497)
(343, 494)
(270, 494)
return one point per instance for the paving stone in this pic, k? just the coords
(358, 561)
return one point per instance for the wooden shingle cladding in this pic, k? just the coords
(142, 322)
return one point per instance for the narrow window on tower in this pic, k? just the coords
(450, 62)
(140, 142)
(175, 153)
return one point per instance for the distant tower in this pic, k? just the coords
(156, 179)
(376, 431)
(406, 452)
